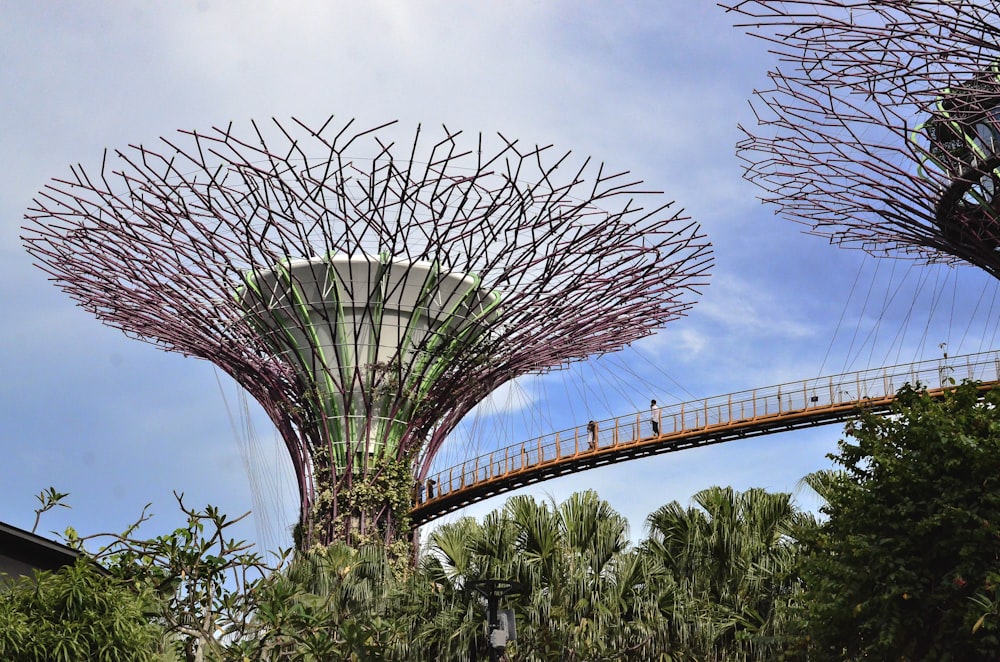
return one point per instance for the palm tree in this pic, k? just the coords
(330, 603)
(730, 558)
(584, 588)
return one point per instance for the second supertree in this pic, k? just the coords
(880, 129)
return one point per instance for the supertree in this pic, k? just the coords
(881, 128)
(368, 292)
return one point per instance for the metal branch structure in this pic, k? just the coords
(881, 128)
(367, 287)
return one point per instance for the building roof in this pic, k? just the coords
(22, 552)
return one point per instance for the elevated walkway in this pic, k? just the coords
(690, 424)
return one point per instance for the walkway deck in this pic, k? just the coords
(690, 424)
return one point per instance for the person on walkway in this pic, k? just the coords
(654, 417)
(592, 435)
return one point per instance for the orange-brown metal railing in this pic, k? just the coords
(811, 401)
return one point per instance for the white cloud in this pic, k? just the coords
(512, 396)
(747, 307)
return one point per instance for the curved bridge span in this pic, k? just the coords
(711, 420)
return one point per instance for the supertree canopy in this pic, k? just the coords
(881, 128)
(367, 291)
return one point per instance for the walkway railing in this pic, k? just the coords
(756, 407)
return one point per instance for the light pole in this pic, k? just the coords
(492, 590)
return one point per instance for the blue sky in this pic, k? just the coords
(657, 88)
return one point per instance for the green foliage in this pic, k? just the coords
(373, 508)
(327, 604)
(711, 582)
(389, 487)
(729, 565)
(585, 591)
(708, 584)
(74, 614)
(913, 535)
(206, 584)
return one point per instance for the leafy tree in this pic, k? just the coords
(76, 613)
(913, 533)
(207, 584)
(206, 597)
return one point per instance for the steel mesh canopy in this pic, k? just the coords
(879, 128)
(368, 290)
